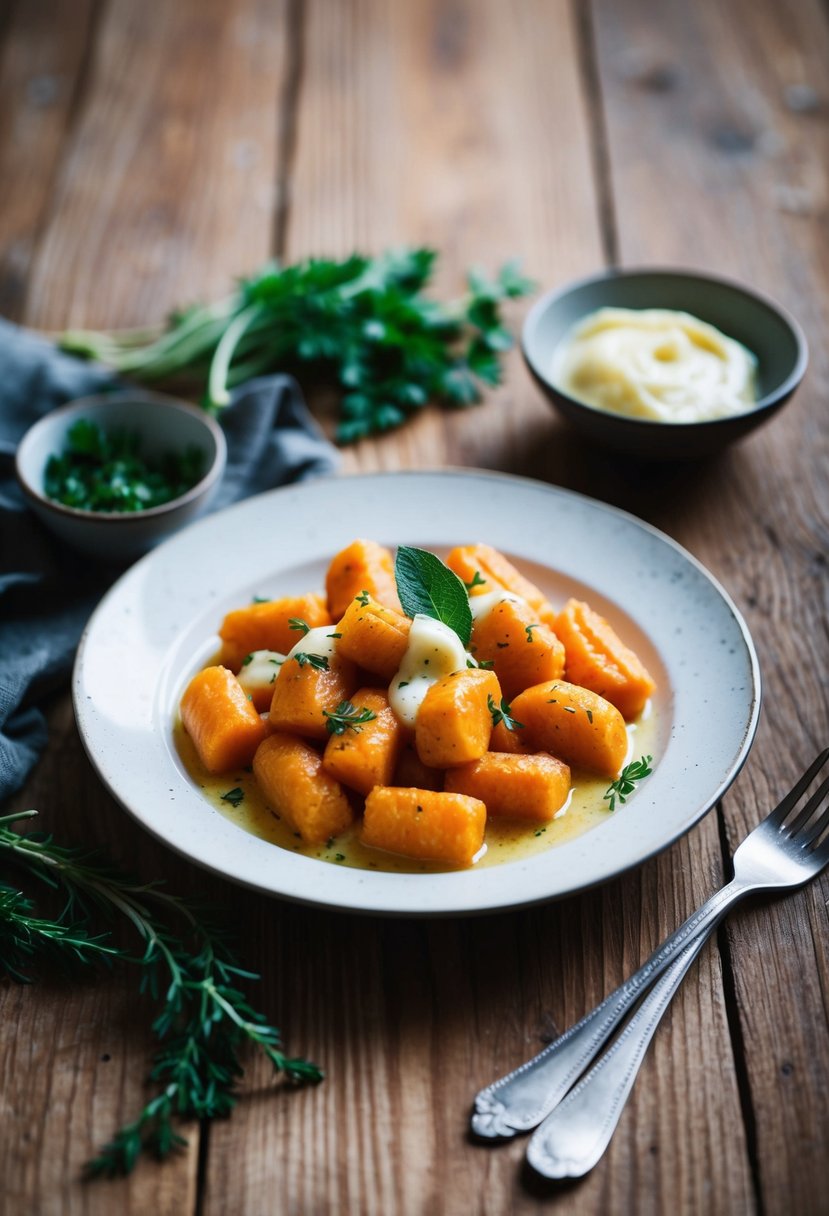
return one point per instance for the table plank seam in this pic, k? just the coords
(599, 144)
(735, 1031)
(288, 126)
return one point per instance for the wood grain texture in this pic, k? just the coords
(411, 1020)
(442, 123)
(40, 82)
(745, 151)
(477, 127)
(168, 189)
(164, 190)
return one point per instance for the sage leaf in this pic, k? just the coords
(427, 586)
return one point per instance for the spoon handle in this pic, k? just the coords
(519, 1101)
(572, 1139)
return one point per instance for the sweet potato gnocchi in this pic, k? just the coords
(375, 727)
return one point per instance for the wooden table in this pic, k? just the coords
(149, 152)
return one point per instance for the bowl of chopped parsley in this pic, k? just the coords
(114, 474)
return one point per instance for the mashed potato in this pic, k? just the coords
(655, 363)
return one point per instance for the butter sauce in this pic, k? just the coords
(505, 841)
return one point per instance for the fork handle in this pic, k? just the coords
(572, 1139)
(520, 1100)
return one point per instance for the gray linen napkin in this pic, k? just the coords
(47, 592)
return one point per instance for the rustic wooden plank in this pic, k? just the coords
(168, 191)
(409, 133)
(717, 115)
(165, 191)
(445, 123)
(40, 79)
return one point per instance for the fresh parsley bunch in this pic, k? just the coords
(204, 1018)
(363, 324)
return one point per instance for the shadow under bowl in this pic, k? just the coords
(163, 425)
(761, 325)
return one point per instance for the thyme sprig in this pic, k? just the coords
(625, 783)
(204, 1019)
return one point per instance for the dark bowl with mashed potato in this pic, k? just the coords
(642, 405)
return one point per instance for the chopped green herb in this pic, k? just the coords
(540, 831)
(403, 684)
(503, 714)
(346, 717)
(333, 635)
(247, 659)
(502, 645)
(301, 626)
(625, 783)
(589, 713)
(105, 471)
(477, 581)
(528, 629)
(261, 599)
(569, 709)
(234, 796)
(486, 664)
(319, 661)
(339, 856)
(363, 598)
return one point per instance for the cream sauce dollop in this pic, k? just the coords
(434, 651)
(655, 363)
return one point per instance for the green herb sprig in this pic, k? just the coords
(320, 661)
(347, 717)
(625, 783)
(502, 713)
(204, 1019)
(363, 324)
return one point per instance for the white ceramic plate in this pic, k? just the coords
(158, 625)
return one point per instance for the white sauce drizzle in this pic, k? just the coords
(434, 651)
(261, 671)
(319, 641)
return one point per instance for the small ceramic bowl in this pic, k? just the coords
(163, 425)
(762, 326)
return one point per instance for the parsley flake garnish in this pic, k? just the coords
(528, 629)
(234, 796)
(247, 659)
(362, 598)
(503, 714)
(261, 599)
(347, 717)
(295, 622)
(625, 783)
(477, 581)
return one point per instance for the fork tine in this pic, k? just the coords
(811, 831)
(785, 806)
(799, 825)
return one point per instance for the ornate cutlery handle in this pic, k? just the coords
(520, 1100)
(572, 1139)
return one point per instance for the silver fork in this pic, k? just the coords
(777, 854)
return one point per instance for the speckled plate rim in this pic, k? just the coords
(157, 625)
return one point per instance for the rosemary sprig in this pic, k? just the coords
(347, 717)
(625, 783)
(204, 1019)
